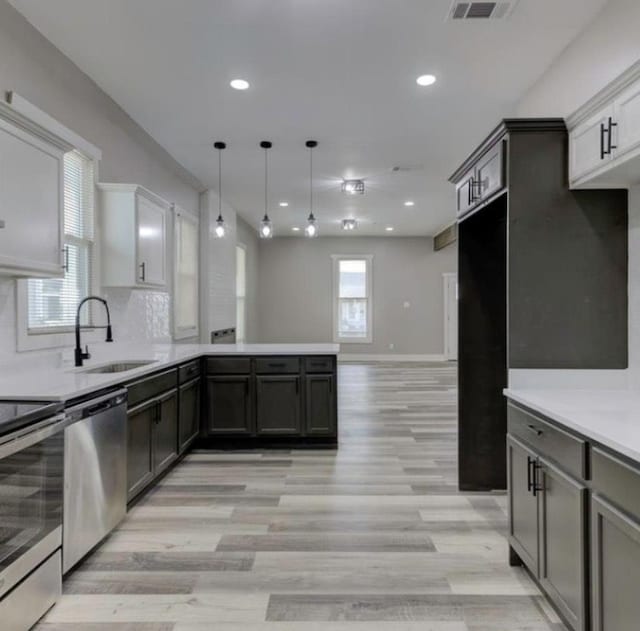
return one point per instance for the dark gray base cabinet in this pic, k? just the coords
(278, 405)
(321, 416)
(229, 409)
(615, 544)
(548, 517)
(165, 444)
(271, 397)
(189, 414)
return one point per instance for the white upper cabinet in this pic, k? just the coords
(604, 136)
(31, 197)
(134, 236)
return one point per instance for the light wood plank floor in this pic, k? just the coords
(373, 536)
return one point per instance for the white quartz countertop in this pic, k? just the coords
(608, 417)
(66, 382)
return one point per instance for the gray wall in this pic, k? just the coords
(247, 236)
(295, 292)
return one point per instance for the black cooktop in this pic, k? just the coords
(18, 414)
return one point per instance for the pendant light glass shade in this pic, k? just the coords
(221, 229)
(266, 227)
(311, 229)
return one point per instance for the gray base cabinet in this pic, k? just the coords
(165, 447)
(548, 512)
(278, 404)
(189, 414)
(271, 397)
(229, 405)
(321, 414)
(140, 422)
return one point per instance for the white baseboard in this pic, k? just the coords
(364, 357)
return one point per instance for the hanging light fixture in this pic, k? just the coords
(221, 229)
(266, 227)
(311, 229)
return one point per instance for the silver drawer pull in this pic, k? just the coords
(537, 431)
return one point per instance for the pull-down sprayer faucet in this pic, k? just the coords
(80, 355)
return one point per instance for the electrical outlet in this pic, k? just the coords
(391, 346)
(407, 304)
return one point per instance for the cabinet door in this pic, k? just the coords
(165, 442)
(626, 136)
(189, 415)
(151, 238)
(523, 504)
(588, 143)
(278, 404)
(31, 204)
(320, 419)
(465, 199)
(563, 548)
(140, 422)
(490, 172)
(229, 405)
(615, 572)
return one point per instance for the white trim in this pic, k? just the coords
(354, 357)
(335, 283)
(35, 114)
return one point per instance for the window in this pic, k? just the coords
(352, 299)
(52, 302)
(241, 293)
(186, 305)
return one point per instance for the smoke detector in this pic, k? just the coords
(475, 10)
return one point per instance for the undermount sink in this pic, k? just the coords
(122, 366)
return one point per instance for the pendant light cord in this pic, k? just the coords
(266, 178)
(219, 183)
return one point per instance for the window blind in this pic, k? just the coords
(52, 302)
(186, 279)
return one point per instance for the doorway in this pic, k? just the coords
(450, 316)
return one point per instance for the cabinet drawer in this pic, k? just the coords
(228, 366)
(318, 364)
(277, 365)
(616, 480)
(549, 441)
(189, 371)
(149, 387)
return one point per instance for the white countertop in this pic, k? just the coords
(608, 417)
(67, 382)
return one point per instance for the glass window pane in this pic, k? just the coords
(186, 290)
(353, 279)
(352, 318)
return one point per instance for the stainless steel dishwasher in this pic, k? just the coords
(95, 474)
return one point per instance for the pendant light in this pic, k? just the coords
(266, 228)
(311, 229)
(221, 229)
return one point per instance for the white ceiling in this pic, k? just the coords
(338, 71)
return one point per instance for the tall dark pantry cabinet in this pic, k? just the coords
(542, 278)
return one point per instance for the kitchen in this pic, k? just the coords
(257, 422)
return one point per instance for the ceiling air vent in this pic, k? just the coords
(481, 10)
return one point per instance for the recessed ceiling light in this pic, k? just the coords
(239, 84)
(284, 204)
(349, 224)
(295, 229)
(353, 187)
(389, 228)
(409, 203)
(426, 79)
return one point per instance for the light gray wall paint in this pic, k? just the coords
(248, 237)
(31, 66)
(295, 292)
(604, 50)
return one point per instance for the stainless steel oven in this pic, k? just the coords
(31, 505)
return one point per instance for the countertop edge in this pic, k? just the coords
(568, 423)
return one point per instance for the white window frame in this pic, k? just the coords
(336, 258)
(181, 333)
(26, 341)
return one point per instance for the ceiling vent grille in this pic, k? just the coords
(475, 10)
